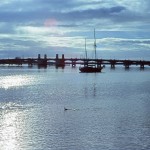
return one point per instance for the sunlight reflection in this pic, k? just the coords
(14, 129)
(14, 81)
(10, 132)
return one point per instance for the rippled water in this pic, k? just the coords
(107, 111)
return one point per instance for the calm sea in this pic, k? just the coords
(106, 111)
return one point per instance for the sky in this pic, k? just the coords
(32, 27)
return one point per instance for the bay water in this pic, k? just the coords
(105, 111)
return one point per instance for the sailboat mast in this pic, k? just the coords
(94, 43)
(85, 50)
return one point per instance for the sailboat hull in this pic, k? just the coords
(90, 69)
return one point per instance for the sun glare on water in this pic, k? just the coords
(9, 132)
(12, 125)
(14, 81)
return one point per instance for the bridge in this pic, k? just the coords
(61, 62)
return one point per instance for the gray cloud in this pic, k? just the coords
(62, 11)
(93, 13)
(76, 17)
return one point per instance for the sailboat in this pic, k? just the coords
(91, 68)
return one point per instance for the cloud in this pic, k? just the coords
(108, 15)
(58, 9)
(92, 13)
(63, 24)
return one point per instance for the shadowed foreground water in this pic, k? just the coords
(107, 111)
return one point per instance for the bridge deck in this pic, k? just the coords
(73, 61)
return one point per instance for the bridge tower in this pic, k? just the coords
(60, 62)
(42, 63)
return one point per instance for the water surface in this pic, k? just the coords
(108, 110)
